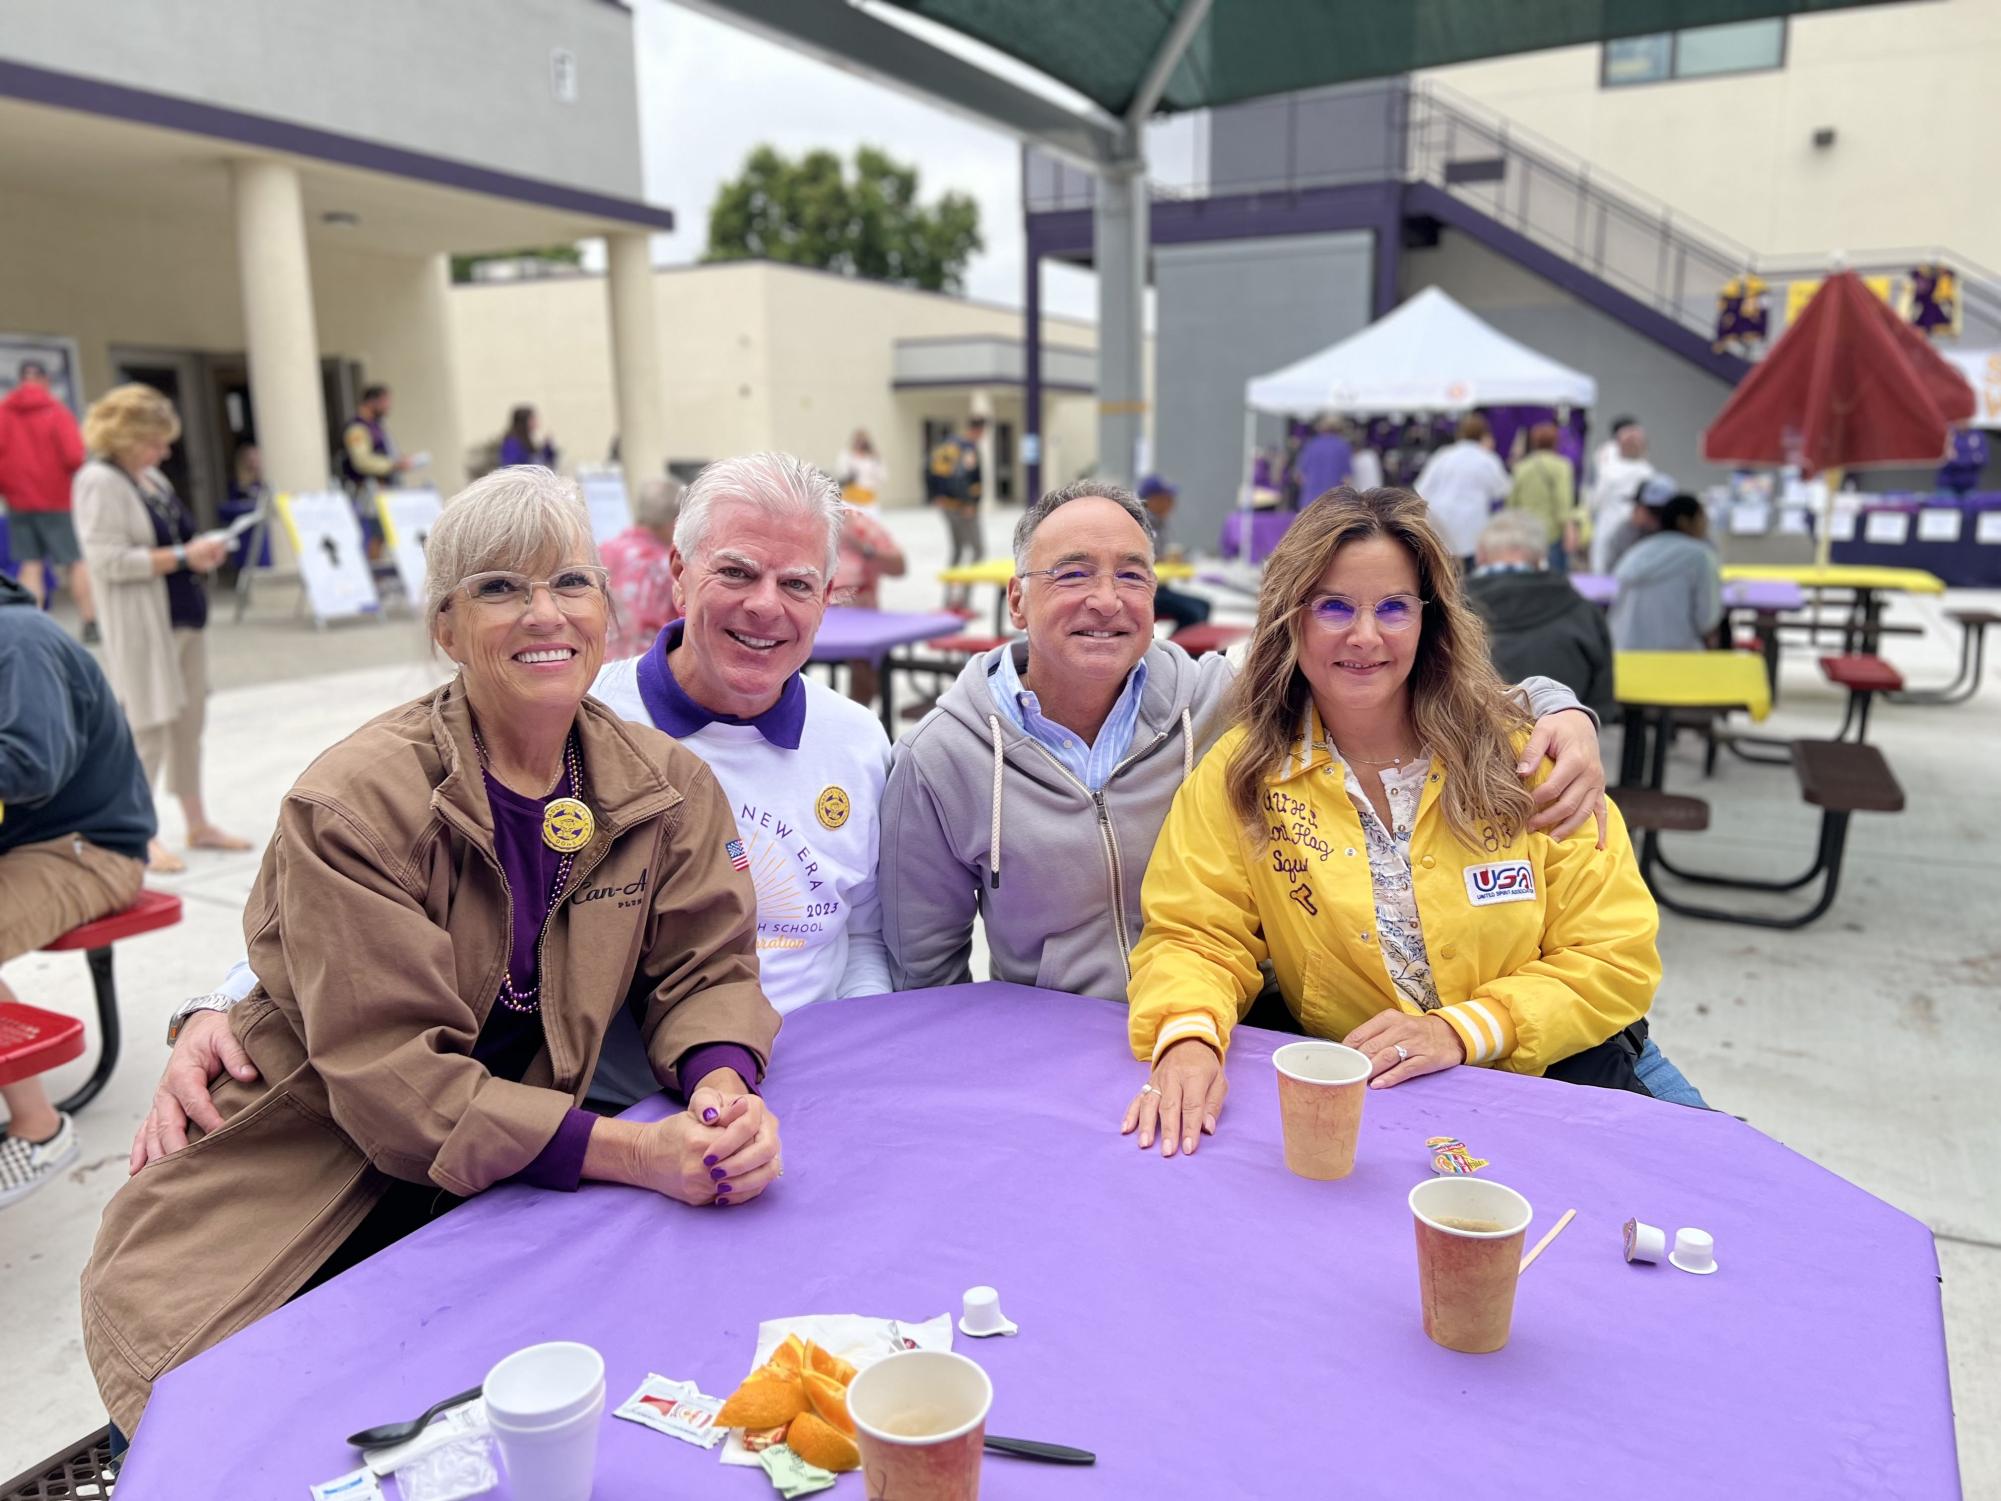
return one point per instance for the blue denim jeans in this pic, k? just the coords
(1664, 1081)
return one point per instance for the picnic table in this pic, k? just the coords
(850, 634)
(1651, 685)
(1762, 599)
(940, 1139)
(1865, 587)
(996, 572)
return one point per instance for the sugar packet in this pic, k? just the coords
(451, 1472)
(792, 1475)
(678, 1408)
(467, 1420)
(356, 1485)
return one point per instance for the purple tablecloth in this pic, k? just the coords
(1263, 527)
(1740, 594)
(1210, 1327)
(1966, 563)
(848, 634)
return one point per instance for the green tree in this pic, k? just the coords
(814, 212)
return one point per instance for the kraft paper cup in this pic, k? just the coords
(545, 1405)
(921, 1421)
(1466, 1277)
(1320, 1090)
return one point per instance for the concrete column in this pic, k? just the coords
(1119, 241)
(280, 338)
(637, 385)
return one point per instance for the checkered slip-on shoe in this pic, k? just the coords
(26, 1165)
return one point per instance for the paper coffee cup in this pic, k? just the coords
(1320, 1090)
(1469, 1253)
(921, 1420)
(545, 1405)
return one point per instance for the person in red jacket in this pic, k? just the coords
(40, 449)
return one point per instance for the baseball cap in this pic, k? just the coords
(1154, 485)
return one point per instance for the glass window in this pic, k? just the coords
(1698, 52)
(1742, 47)
(1639, 59)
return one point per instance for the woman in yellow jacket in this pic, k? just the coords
(1365, 828)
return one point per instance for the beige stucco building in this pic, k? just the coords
(757, 355)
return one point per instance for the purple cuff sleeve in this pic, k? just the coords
(699, 1062)
(560, 1164)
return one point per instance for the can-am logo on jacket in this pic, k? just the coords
(1503, 881)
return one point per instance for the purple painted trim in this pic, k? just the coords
(1002, 380)
(1067, 233)
(1432, 202)
(142, 107)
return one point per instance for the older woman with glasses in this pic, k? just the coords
(1364, 827)
(459, 898)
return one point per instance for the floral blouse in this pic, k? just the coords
(1397, 926)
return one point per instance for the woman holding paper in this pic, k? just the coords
(1365, 828)
(141, 544)
(460, 899)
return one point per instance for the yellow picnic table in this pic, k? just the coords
(1866, 586)
(997, 572)
(1655, 683)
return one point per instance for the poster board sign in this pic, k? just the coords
(407, 517)
(333, 564)
(56, 354)
(1939, 523)
(1987, 528)
(1750, 518)
(1887, 528)
(1841, 526)
(604, 498)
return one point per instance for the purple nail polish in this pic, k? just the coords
(718, 1174)
(709, 1116)
(724, 1202)
(725, 1189)
(708, 1162)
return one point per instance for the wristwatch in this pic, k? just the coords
(215, 1000)
(181, 554)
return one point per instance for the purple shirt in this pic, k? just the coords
(674, 713)
(1326, 461)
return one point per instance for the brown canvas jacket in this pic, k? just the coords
(380, 927)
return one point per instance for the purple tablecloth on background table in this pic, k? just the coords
(1264, 527)
(849, 634)
(1740, 594)
(1209, 1326)
(1965, 564)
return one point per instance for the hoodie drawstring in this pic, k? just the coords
(1187, 745)
(994, 845)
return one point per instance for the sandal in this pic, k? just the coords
(161, 861)
(212, 838)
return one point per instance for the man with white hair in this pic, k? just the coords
(753, 560)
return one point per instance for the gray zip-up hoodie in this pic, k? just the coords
(978, 817)
(1670, 594)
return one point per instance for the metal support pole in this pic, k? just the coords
(1119, 225)
(1031, 378)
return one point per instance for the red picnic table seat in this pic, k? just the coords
(1208, 637)
(153, 909)
(1864, 676)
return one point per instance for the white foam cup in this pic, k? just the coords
(545, 1405)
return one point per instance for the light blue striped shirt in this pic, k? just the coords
(1091, 764)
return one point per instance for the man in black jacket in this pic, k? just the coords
(75, 819)
(1537, 624)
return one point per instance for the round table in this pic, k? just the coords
(1209, 1326)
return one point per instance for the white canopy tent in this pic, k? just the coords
(1430, 355)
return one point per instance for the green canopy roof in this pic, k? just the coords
(1245, 49)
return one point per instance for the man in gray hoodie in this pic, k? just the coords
(1670, 588)
(1033, 793)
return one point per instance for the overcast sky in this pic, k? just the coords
(709, 93)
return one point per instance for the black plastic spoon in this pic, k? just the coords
(397, 1433)
(1028, 1448)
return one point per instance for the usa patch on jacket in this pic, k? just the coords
(734, 849)
(1502, 881)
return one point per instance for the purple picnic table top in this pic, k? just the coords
(848, 633)
(1210, 1326)
(1738, 594)
(1263, 527)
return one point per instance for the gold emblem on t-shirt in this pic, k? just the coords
(833, 807)
(567, 825)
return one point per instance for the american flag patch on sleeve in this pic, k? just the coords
(734, 849)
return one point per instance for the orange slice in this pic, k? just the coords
(831, 1365)
(763, 1402)
(790, 1356)
(819, 1442)
(830, 1401)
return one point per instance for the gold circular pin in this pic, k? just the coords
(567, 825)
(833, 807)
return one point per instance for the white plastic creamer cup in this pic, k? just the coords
(1645, 1242)
(1694, 1251)
(981, 1314)
(545, 1405)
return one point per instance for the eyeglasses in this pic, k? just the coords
(574, 588)
(1075, 578)
(1393, 612)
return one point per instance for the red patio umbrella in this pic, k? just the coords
(1848, 384)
